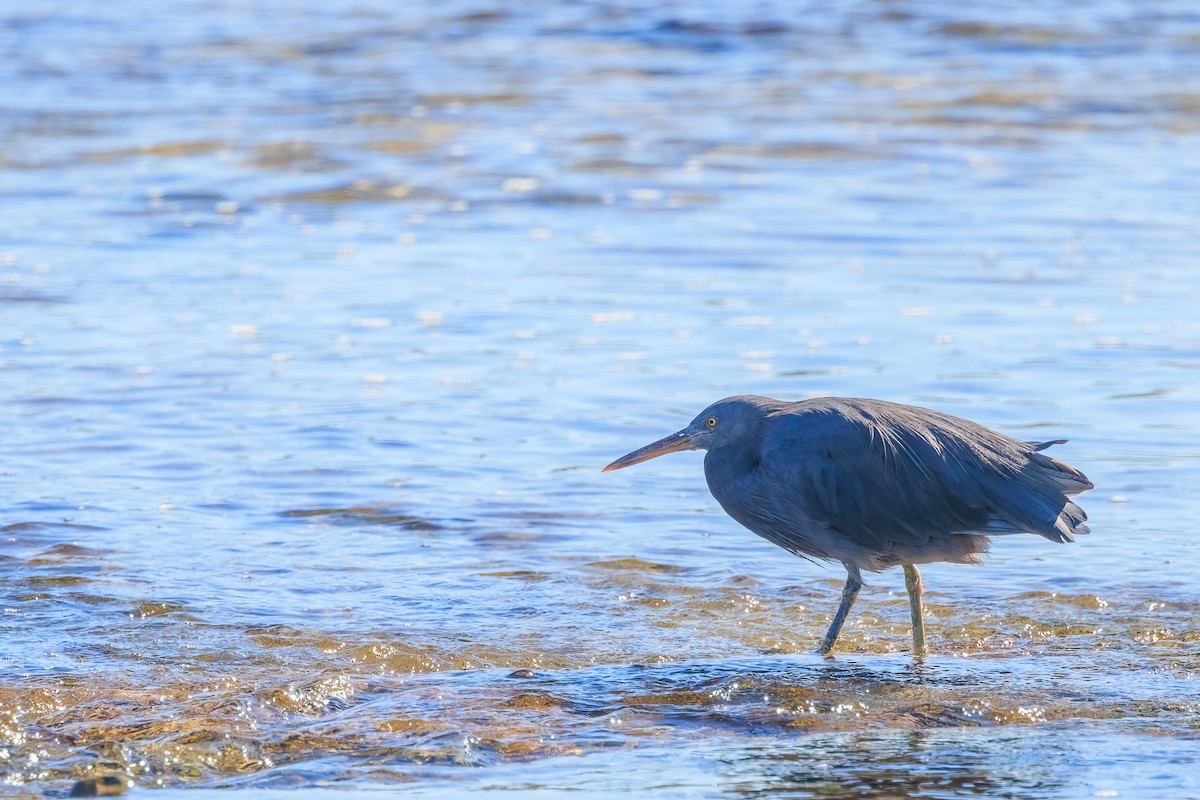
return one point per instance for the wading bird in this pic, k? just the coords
(874, 485)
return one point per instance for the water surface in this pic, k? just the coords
(318, 325)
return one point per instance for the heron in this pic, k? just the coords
(874, 484)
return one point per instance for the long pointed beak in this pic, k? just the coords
(668, 444)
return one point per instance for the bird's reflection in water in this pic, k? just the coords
(908, 764)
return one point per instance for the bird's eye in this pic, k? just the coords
(712, 422)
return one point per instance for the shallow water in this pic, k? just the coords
(318, 326)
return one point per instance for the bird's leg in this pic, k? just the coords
(849, 593)
(912, 582)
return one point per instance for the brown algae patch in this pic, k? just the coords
(254, 720)
(183, 149)
(642, 651)
(363, 190)
(364, 516)
(637, 565)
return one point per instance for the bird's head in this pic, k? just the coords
(734, 420)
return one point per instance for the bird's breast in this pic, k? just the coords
(762, 505)
(732, 477)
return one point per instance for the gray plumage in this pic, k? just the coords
(874, 484)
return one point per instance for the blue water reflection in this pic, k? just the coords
(319, 322)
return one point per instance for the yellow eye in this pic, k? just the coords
(712, 422)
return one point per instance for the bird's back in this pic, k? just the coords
(873, 484)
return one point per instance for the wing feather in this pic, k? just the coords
(884, 474)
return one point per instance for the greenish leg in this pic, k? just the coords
(849, 593)
(912, 582)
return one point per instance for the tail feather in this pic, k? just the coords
(1070, 479)
(1036, 499)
